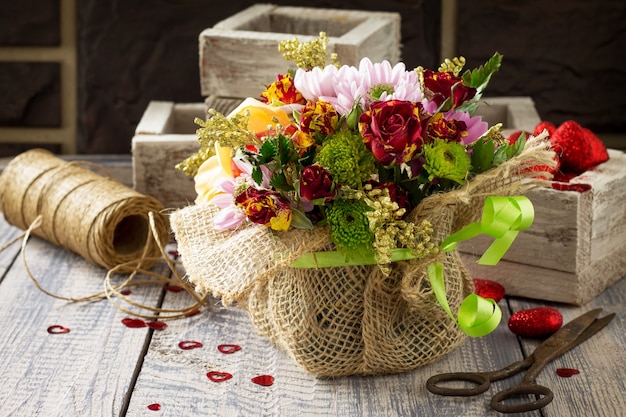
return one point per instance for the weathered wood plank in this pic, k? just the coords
(598, 391)
(86, 372)
(7, 257)
(177, 379)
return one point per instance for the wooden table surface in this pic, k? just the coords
(103, 368)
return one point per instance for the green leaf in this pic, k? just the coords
(519, 145)
(257, 175)
(267, 152)
(279, 182)
(482, 155)
(299, 220)
(479, 77)
(500, 156)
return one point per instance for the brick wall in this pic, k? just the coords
(566, 54)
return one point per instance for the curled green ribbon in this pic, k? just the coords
(502, 218)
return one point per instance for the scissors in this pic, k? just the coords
(569, 336)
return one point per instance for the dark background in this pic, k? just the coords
(568, 55)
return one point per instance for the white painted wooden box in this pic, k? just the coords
(239, 55)
(165, 136)
(576, 246)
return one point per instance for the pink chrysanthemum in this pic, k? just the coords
(474, 126)
(347, 86)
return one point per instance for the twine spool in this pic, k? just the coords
(80, 210)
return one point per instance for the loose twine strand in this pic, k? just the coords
(96, 217)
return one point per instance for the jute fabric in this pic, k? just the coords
(348, 320)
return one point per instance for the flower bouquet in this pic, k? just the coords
(330, 209)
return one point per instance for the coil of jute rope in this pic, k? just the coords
(73, 206)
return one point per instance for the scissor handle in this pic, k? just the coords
(481, 379)
(545, 394)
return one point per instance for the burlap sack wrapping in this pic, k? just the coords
(349, 320)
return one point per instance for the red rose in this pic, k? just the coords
(265, 207)
(438, 87)
(392, 131)
(316, 182)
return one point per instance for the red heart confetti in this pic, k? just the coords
(133, 323)
(488, 289)
(126, 292)
(228, 349)
(217, 376)
(189, 344)
(173, 288)
(192, 313)
(157, 325)
(536, 322)
(566, 372)
(154, 407)
(58, 329)
(263, 380)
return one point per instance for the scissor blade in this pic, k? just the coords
(566, 337)
(593, 328)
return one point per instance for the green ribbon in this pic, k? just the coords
(502, 218)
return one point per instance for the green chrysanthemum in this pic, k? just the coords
(349, 225)
(344, 154)
(446, 160)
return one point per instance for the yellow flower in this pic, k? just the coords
(216, 167)
(262, 115)
(219, 166)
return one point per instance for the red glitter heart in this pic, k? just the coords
(513, 137)
(536, 322)
(599, 153)
(189, 344)
(154, 407)
(566, 372)
(488, 289)
(573, 147)
(549, 126)
(217, 376)
(157, 325)
(58, 329)
(228, 349)
(263, 380)
(133, 323)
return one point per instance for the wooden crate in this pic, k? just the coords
(576, 246)
(164, 137)
(239, 55)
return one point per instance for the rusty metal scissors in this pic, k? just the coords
(569, 336)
